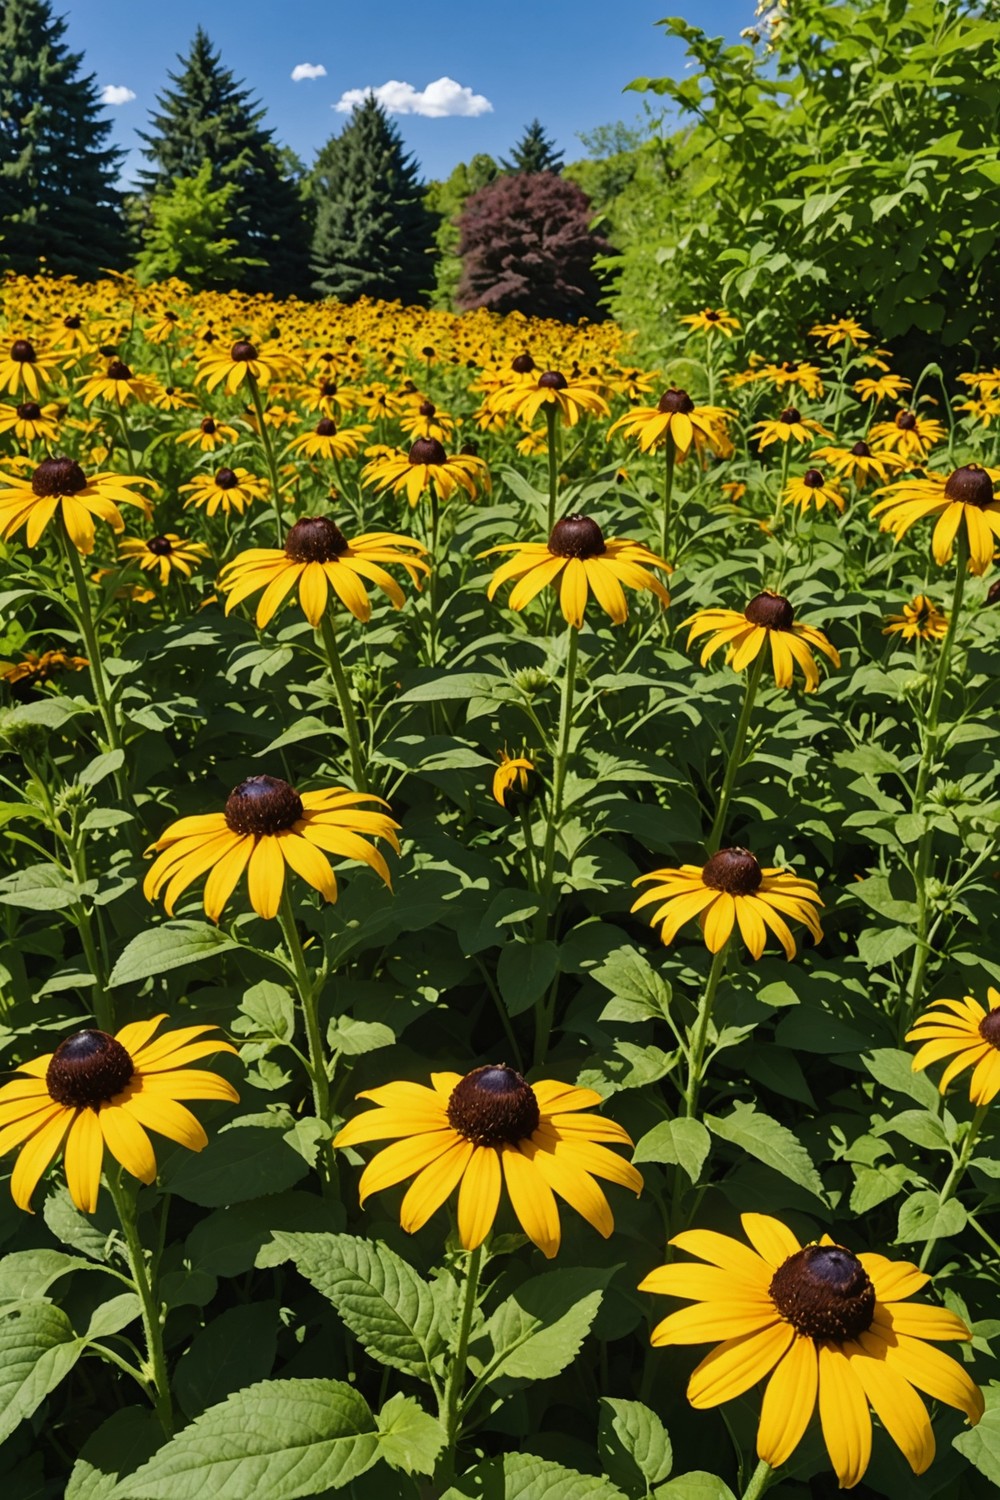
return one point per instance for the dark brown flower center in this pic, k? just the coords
(813, 478)
(989, 1028)
(23, 352)
(328, 388)
(243, 352)
(906, 420)
(576, 536)
(427, 408)
(493, 1105)
(993, 596)
(315, 539)
(772, 611)
(72, 321)
(58, 476)
(29, 411)
(208, 424)
(825, 1293)
(88, 1068)
(674, 400)
(171, 317)
(552, 380)
(790, 416)
(522, 364)
(710, 316)
(118, 371)
(861, 450)
(325, 427)
(262, 804)
(160, 546)
(226, 479)
(427, 450)
(734, 871)
(970, 485)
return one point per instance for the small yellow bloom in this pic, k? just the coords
(227, 489)
(573, 399)
(676, 416)
(513, 781)
(768, 619)
(166, 553)
(59, 486)
(810, 491)
(921, 620)
(969, 1035)
(427, 463)
(712, 320)
(789, 427)
(839, 331)
(909, 435)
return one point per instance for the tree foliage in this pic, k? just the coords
(527, 246)
(187, 237)
(58, 200)
(847, 162)
(534, 152)
(446, 200)
(209, 116)
(374, 234)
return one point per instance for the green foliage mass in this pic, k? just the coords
(374, 234)
(188, 234)
(847, 162)
(446, 200)
(58, 201)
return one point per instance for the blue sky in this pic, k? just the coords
(567, 64)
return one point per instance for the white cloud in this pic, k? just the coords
(307, 70)
(116, 93)
(442, 97)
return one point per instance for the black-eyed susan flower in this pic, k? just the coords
(712, 320)
(427, 422)
(267, 825)
(982, 412)
(963, 498)
(208, 435)
(571, 399)
(97, 1092)
(25, 369)
(319, 558)
(244, 359)
(861, 464)
(908, 434)
(328, 441)
(826, 1329)
(676, 416)
(426, 463)
(921, 620)
(227, 489)
(731, 889)
(59, 486)
(165, 554)
(117, 385)
(169, 397)
(790, 426)
(36, 668)
(791, 372)
(163, 328)
(514, 781)
(968, 1034)
(768, 619)
(29, 422)
(811, 491)
(887, 387)
(839, 331)
(485, 1131)
(579, 560)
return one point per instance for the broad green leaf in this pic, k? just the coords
(698, 1485)
(117, 1448)
(522, 1476)
(409, 1437)
(114, 1315)
(893, 1068)
(452, 685)
(680, 1142)
(279, 1439)
(354, 1038)
(27, 1274)
(525, 972)
(385, 1304)
(535, 1333)
(240, 1163)
(38, 1348)
(91, 1234)
(769, 1142)
(170, 946)
(268, 1006)
(235, 1349)
(233, 1239)
(640, 993)
(41, 888)
(924, 1217)
(101, 766)
(634, 1446)
(981, 1444)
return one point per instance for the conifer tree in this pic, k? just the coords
(57, 173)
(534, 152)
(374, 234)
(208, 115)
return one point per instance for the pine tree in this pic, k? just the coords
(57, 173)
(210, 116)
(534, 152)
(374, 234)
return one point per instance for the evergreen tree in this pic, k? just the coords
(534, 152)
(210, 116)
(187, 235)
(57, 173)
(374, 234)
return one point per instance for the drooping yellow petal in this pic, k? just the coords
(82, 1159)
(266, 876)
(402, 1159)
(789, 1402)
(36, 1154)
(532, 1201)
(479, 1196)
(843, 1412)
(433, 1185)
(734, 1366)
(128, 1142)
(897, 1405)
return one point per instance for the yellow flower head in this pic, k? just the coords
(584, 561)
(227, 489)
(164, 554)
(514, 781)
(425, 421)
(839, 331)
(963, 498)
(59, 487)
(909, 435)
(768, 619)
(209, 435)
(24, 369)
(790, 427)
(319, 558)
(887, 386)
(328, 441)
(35, 669)
(29, 422)
(921, 620)
(571, 398)
(969, 1035)
(485, 1131)
(810, 491)
(823, 1327)
(677, 418)
(712, 320)
(117, 385)
(861, 464)
(426, 463)
(732, 889)
(96, 1091)
(244, 359)
(267, 825)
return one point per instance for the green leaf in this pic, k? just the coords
(282, 1439)
(27, 1274)
(924, 1217)
(170, 946)
(235, 1349)
(525, 972)
(680, 1143)
(769, 1142)
(243, 1162)
(117, 1448)
(269, 1007)
(38, 1348)
(385, 1304)
(698, 1485)
(40, 888)
(354, 1038)
(88, 1233)
(640, 993)
(452, 685)
(981, 1444)
(522, 1476)
(114, 1315)
(893, 1068)
(539, 1329)
(101, 766)
(633, 1445)
(409, 1437)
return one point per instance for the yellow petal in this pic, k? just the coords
(36, 1154)
(128, 1142)
(167, 1117)
(532, 1201)
(789, 1402)
(898, 1407)
(82, 1159)
(772, 1240)
(433, 1185)
(843, 1411)
(738, 1364)
(266, 877)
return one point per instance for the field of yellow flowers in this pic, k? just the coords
(498, 896)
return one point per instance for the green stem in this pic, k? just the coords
(552, 427)
(305, 984)
(696, 1048)
(151, 1321)
(845, 357)
(760, 1481)
(432, 582)
(530, 852)
(957, 1173)
(347, 714)
(268, 447)
(670, 462)
(736, 754)
(457, 1370)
